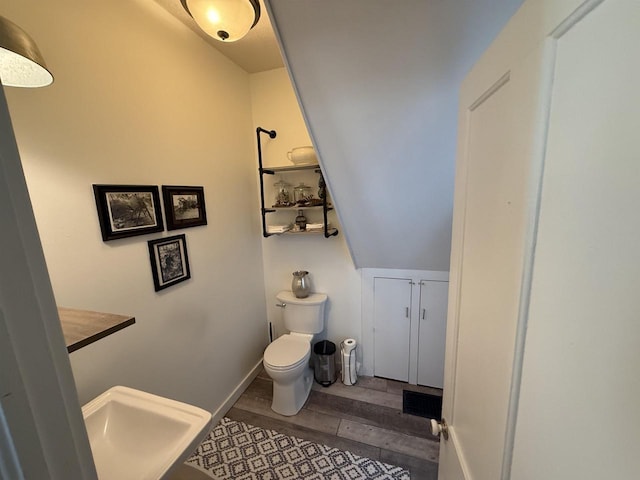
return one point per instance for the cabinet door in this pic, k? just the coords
(432, 326)
(391, 327)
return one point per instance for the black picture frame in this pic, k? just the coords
(169, 261)
(184, 207)
(128, 210)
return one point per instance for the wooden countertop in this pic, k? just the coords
(82, 327)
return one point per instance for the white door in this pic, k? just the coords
(432, 325)
(391, 327)
(508, 345)
(42, 432)
(582, 352)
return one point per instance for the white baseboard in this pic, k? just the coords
(233, 397)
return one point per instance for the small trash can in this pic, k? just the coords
(325, 362)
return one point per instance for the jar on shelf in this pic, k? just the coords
(302, 194)
(301, 222)
(283, 194)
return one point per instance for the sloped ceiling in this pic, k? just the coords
(377, 81)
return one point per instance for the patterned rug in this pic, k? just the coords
(237, 451)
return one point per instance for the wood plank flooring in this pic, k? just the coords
(365, 419)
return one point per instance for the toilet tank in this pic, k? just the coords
(303, 315)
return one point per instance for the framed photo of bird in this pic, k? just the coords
(128, 210)
(169, 261)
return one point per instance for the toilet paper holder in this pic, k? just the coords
(349, 361)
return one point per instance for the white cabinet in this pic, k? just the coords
(408, 315)
(432, 326)
(392, 327)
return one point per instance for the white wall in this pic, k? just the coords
(327, 259)
(139, 99)
(378, 80)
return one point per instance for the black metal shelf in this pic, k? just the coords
(328, 232)
(332, 232)
(295, 207)
(292, 168)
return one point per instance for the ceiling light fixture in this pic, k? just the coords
(224, 20)
(21, 63)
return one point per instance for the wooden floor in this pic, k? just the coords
(365, 419)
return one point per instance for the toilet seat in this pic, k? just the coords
(287, 353)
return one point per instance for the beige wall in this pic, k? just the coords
(328, 260)
(139, 99)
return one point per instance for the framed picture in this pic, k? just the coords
(169, 261)
(184, 206)
(128, 210)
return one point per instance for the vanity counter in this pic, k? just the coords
(82, 327)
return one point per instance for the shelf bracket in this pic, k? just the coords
(325, 208)
(272, 134)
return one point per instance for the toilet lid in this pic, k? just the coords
(287, 351)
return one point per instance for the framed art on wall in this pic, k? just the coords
(128, 210)
(169, 261)
(184, 206)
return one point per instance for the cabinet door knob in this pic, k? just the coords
(424, 313)
(407, 312)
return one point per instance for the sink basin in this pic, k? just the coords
(135, 434)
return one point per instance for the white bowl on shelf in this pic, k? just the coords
(302, 156)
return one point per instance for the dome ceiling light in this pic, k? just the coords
(21, 63)
(224, 20)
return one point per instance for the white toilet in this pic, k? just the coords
(286, 360)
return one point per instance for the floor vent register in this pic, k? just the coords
(422, 404)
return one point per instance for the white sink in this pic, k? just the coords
(135, 434)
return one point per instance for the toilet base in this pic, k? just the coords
(289, 398)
